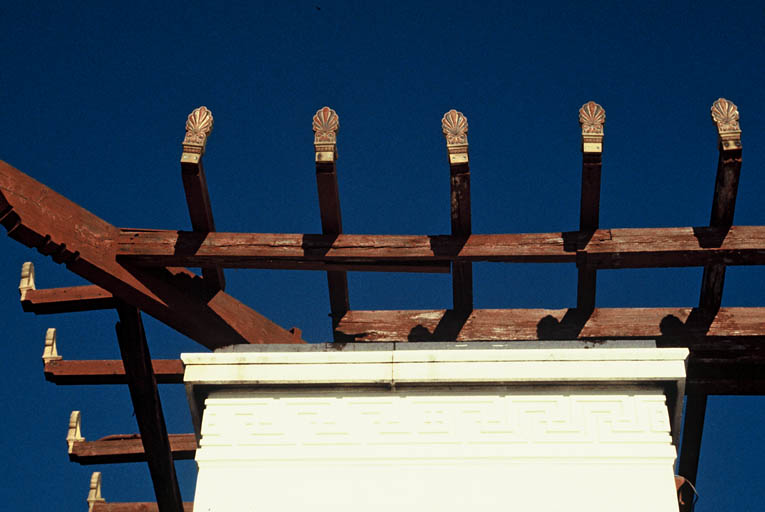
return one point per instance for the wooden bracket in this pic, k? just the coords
(27, 279)
(50, 353)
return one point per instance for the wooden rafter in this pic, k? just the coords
(38, 217)
(198, 127)
(455, 127)
(148, 408)
(726, 118)
(592, 118)
(325, 126)
(606, 248)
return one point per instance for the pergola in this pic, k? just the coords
(135, 270)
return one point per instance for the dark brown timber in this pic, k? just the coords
(67, 300)
(36, 216)
(589, 213)
(135, 507)
(332, 225)
(200, 212)
(128, 448)
(462, 271)
(148, 408)
(63, 372)
(690, 450)
(605, 248)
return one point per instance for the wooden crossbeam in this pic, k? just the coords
(134, 507)
(592, 118)
(148, 408)
(119, 448)
(37, 217)
(455, 127)
(683, 324)
(60, 300)
(325, 126)
(198, 127)
(128, 448)
(605, 248)
(166, 371)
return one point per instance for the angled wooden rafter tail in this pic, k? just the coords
(37, 217)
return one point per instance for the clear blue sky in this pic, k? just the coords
(95, 95)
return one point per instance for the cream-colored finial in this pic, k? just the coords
(454, 124)
(50, 353)
(592, 117)
(326, 124)
(27, 279)
(725, 116)
(94, 494)
(199, 125)
(74, 434)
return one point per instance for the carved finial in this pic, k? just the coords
(74, 434)
(454, 124)
(94, 494)
(49, 352)
(27, 279)
(199, 124)
(725, 116)
(326, 123)
(592, 117)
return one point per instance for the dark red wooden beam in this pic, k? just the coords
(605, 248)
(37, 217)
(325, 127)
(455, 127)
(127, 448)
(591, 118)
(198, 127)
(148, 408)
(134, 507)
(62, 372)
(683, 326)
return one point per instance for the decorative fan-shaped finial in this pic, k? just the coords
(725, 116)
(592, 117)
(326, 124)
(454, 124)
(199, 124)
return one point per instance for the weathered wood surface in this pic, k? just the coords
(564, 324)
(589, 215)
(40, 218)
(135, 507)
(128, 448)
(148, 407)
(63, 372)
(606, 248)
(67, 300)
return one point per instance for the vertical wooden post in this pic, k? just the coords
(147, 407)
(592, 117)
(455, 127)
(325, 126)
(198, 127)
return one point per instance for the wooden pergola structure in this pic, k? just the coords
(135, 270)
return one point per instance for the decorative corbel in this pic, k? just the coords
(199, 124)
(725, 116)
(592, 117)
(27, 279)
(94, 494)
(454, 124)
(49, 351)
(74, 434)
(326, 123)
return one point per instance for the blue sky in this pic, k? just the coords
(95, 97)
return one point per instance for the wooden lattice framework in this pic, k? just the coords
(141, 270)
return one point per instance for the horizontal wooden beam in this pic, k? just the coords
(67, 300)
(38, 217)
(134, 507)
(127, 448)
(541, 324)
(605, 248)
(62, 372)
